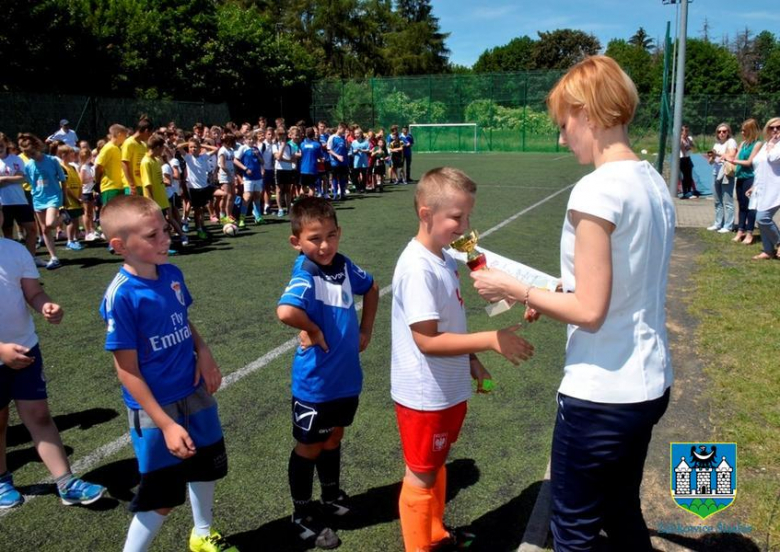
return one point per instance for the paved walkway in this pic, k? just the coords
(699, 213)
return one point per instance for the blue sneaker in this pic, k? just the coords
(185, 227)
(53, 264)
(81, 492)
(9, 496)
(74, 246)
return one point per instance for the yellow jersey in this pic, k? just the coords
(133, 151)
(73, 185)
(25, 184)
(152, 181)
(110, 158)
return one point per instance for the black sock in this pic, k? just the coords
(329, 470)
(300, 472)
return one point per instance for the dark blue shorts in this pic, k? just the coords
(164, 477)
(314, 422)
(27, 384)
(269, 179)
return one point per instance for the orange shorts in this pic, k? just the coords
(427, 435)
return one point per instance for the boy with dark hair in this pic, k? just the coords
(326, 373)
(168, 377)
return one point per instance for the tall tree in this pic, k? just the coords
(417, 46)
(711, 69)
(516, 55)
(563, 48)
(641, 39)
(638, 63)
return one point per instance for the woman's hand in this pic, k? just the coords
(492, 284)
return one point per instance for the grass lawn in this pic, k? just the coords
(494, 469)
(736, 303)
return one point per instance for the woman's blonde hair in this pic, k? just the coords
(598, 84)
(771, 122)
(751, 130)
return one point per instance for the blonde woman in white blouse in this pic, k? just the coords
(766, 188)
(616, 245)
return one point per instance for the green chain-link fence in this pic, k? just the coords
(91, 116)
(508, 108)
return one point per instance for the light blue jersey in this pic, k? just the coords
(45, 178)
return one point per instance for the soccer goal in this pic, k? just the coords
(436, 137)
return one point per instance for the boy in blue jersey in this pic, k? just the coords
(339, 161)
(408, 142)
(326, 377)
(168, 376)
(250, 163)
(311, 154)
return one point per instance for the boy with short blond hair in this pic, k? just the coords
(168, 377)
(433, 356)
(326, 376)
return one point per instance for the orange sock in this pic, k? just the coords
(416, 506)
(438, 531)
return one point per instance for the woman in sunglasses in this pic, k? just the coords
(723, 188)
(766, 188)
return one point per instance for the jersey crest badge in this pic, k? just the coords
(176, 287)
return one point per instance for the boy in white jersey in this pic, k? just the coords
(433, 356)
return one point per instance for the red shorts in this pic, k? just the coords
(427, 435)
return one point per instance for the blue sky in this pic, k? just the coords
(477, 25)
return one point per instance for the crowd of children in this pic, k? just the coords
(210, 175)
(167, 372)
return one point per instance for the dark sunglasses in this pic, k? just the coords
(774, 127)
(723, 132)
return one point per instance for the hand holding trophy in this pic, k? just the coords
(476, 260)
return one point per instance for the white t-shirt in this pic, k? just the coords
(173, 189)
(267, 151)
(627, 360)
(198, 169)
(226, 175)
(175, 182)
(283, 165)
(68, 137)
(87, 175)
(12, 194)
(426, 287)
(766, 167)
(16, 323)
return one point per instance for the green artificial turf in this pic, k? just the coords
(494, 469)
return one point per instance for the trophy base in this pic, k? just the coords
(494, 309)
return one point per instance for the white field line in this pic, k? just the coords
(92, 459)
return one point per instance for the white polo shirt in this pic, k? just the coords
(16, 323)
(627, 360)
(426, 287)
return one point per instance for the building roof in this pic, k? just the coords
(682, 466)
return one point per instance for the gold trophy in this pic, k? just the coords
(476, 260)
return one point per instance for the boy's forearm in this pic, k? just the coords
(370, 307)
(200, 344)
(453, 344)
(296, 318)
(126, 363)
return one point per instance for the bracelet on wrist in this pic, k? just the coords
(527, 296)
